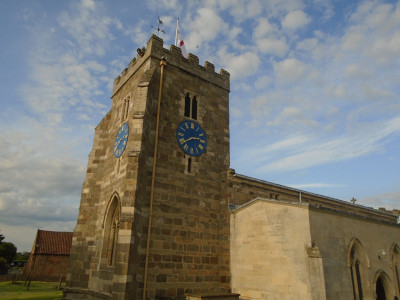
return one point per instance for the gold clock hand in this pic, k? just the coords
(191, 138)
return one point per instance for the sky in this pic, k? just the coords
(314, 100)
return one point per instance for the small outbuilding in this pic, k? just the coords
(49, 256)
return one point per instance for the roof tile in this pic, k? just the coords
(53, 242)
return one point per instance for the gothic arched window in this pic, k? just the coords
(125, 108)
(194, 108)
(111, 228)
(190, 107)
(187, 105)
(396, 265)
(358, 261)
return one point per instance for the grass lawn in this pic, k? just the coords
(37, 291)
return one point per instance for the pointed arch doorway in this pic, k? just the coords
(383, 287)
(380, 289)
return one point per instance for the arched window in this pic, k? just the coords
(357, 262)
(125, 108)
(111, 227)
(395, 251)
(383, 287)
(380, 290)
(128, 99)
(187, 105)
(189, 166)
(358, 279)
(190, 107)
(194, 108)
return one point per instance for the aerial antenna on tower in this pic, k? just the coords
(159, 27)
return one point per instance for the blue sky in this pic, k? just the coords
(314, 100)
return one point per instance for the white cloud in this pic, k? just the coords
(236, 113)
(374, 33)
(284, 145)
(59, 84)
(295, 20)
(234, 32)
(372, 92)
(137, 33)
(290, 70)
(166, 4)
(65, 73)
(88, 4)
(263, 28)
(316, 48)
(356, 72)
(288, 115)
(272, 46)
(336, 91)
(239, 65)
(89, 27)
(360, 142)
(244, 10)
(307, 44)
(40, 184)
(205, 27)
(263, 82)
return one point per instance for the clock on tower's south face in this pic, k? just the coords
(121, 140)
(191, 138)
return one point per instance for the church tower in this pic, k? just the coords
(153, 220)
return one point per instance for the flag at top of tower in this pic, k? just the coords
(178, 40)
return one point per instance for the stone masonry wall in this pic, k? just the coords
(244, 189)
(333, 233)
(270, 242)
(189, 249)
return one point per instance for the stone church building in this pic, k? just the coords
(163, 216)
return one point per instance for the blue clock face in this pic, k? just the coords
(121, 140)
(191, 138)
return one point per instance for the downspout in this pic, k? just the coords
(162, 64)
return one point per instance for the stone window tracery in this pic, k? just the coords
(111, 228)
(125, 108)
(396, 266)
(358, 262)
(191, 107)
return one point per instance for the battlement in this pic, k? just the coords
(155, 51)
(394, 212)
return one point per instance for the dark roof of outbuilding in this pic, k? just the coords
(52, 243)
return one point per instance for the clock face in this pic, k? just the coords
(191, 138)
(121, 140)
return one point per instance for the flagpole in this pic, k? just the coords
(176, 32)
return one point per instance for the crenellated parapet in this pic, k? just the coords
(153, 53)
(394, 212)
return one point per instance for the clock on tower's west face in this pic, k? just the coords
(121, 140)
(191, 138)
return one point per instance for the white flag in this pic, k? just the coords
(179, 41)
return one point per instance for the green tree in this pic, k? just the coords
(22, 256)
(3, 266)
(8, 251)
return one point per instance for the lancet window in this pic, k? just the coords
(191, 106)
(396, 265)
(111, 228)
(358, 261)
(125, 108)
